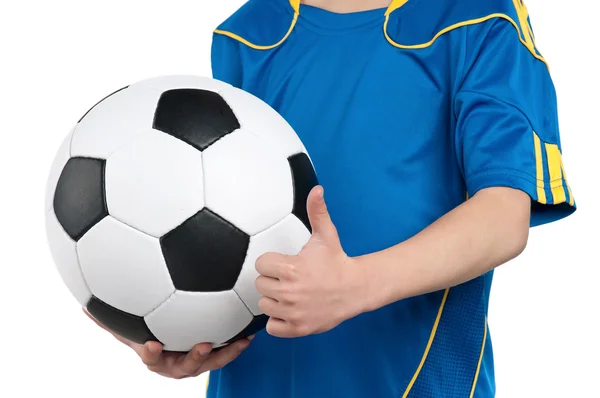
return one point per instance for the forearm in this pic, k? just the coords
(484, 232)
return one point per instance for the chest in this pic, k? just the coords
(357, 94)
(377, 122)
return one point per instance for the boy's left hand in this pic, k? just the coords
(315, 290)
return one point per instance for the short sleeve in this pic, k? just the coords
(507, 131)
(225, 60)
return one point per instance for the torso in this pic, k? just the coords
(378, 125)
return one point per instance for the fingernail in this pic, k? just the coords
(153, 348)
(321, 193)
(251, 337)
(204, 351)
(245, 344)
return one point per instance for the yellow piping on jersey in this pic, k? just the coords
(555, 171)
(530, 47)
(564, 173)
(522, 14)
(485, 328)
(295, 6)
(525, 33)
(429, 343)
(394, 5)
(539, 169)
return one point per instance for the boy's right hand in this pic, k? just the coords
(179, 365)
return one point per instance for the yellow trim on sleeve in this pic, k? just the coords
(522, 14)
(530, 30)
(429, 343)
(564, 173)
(539, 169)
(555, 171)
(485, 327)
(557, 180)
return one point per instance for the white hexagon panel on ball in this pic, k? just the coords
(154, 182)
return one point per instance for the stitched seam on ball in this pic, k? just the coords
(134, 228)
(243, 302)
(274, 224)
(215, 141)
(203, 182)
(161, 304)
(81, 272)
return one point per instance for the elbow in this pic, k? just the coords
(510, 211)
(517, 242)
(511, 241)
(517, 233)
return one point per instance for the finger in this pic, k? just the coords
(270, 264)
(267, 286)
(150, 353)
(318, 215)
(167, 362)
(280, 328)
(190, 363)
(271, 307)
(217, 360)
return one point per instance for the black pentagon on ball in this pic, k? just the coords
(79, 200)
(205, 253)
(258, 323)
(197, 117)
(131, 327)
(305, 179)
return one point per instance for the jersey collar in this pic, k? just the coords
(295, 6)
(394, 5)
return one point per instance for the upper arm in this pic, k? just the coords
(507, 131)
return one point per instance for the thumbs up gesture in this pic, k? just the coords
(317, 289)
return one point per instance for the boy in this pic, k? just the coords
(433, 129)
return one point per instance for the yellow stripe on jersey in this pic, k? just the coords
(539, 169)
(564, 173)
(555, 170)
(429, 343)
(485, 327)
(523, 14)
(557, 180)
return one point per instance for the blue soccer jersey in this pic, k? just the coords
(406, 112)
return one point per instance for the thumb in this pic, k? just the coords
(318, 215)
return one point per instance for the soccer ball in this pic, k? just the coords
(161, 199)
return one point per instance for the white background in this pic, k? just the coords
(59, 57)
